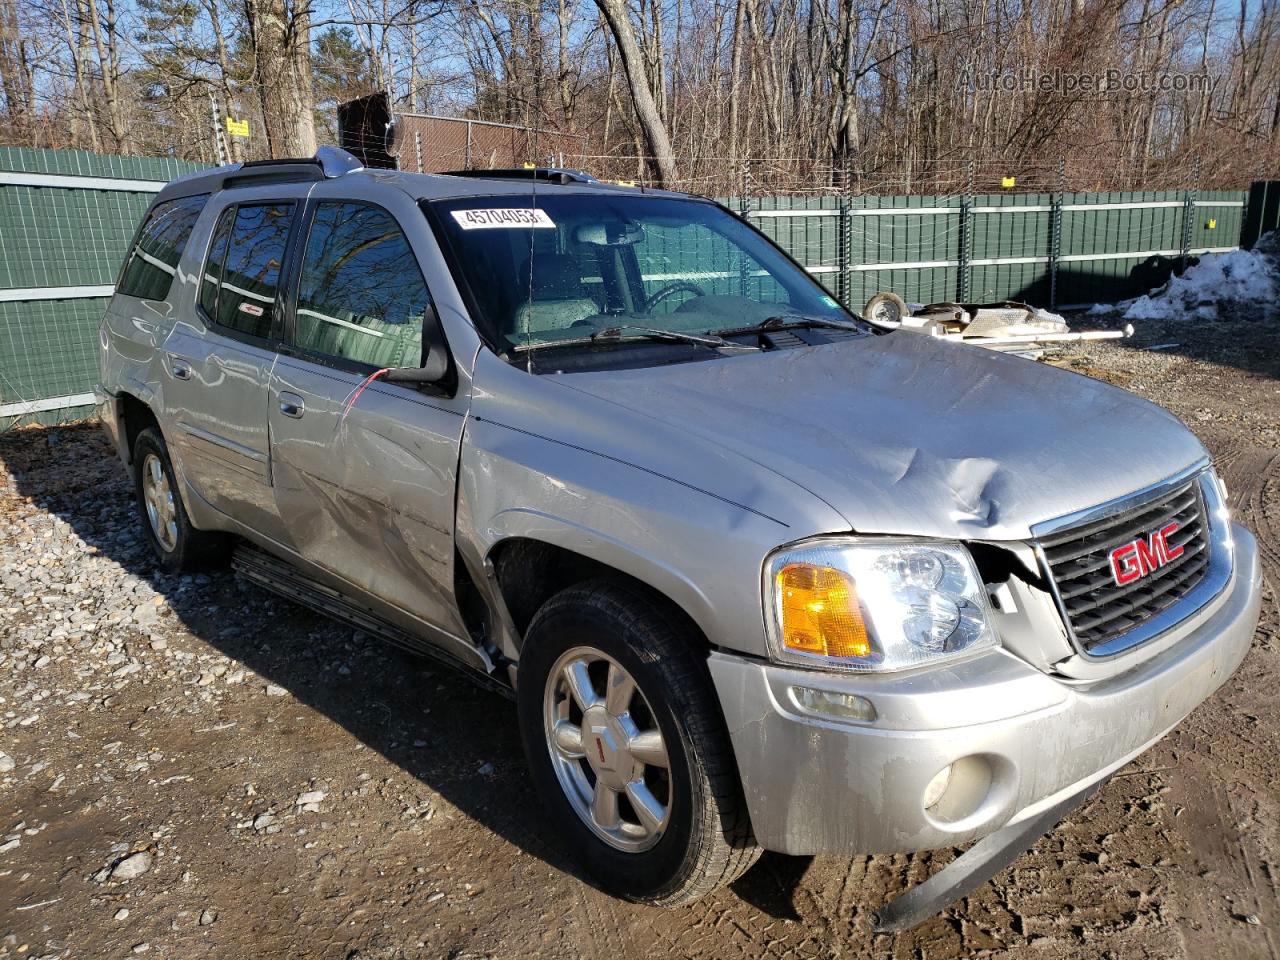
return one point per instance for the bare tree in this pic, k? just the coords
(618, 17)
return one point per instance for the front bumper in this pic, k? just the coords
(1020, 740)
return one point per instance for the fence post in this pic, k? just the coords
(417, 147)
(1055, 232)
(467, 161)
(842, 250)
(966, 203)
(1188, 214)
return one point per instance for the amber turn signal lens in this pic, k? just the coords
(818, 612)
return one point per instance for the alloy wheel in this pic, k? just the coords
(157, 495)
(607, 750)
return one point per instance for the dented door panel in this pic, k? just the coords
(370, 496)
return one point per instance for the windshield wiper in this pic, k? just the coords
(789, 321)
(630, 333)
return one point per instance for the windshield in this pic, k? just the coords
(550, 267)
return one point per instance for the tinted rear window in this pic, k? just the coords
(153, 260)
(249, 273)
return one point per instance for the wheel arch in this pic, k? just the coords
(135, 416)
(528, 568)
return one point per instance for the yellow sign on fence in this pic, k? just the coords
(1008, 182)
(237, 128)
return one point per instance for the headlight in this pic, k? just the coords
(874, 604)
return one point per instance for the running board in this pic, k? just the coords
(286, 580)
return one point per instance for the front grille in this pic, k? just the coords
(1096, 608)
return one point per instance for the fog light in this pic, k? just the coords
(937, 787)
(845, 706)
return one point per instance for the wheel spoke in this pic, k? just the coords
(579, 681)
(648, 748)
(604, 806)
(618, 690)
(157, 472)
(646, 806)
(568, 739)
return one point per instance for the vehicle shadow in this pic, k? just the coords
(457, 739)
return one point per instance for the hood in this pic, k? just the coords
(905, 434)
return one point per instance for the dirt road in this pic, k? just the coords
(295, 790)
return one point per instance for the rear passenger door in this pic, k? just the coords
(365, 483)
(219, 370)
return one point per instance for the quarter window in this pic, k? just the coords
(361, 296)
(152, 262)
(239, 288)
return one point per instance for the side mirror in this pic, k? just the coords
(434, 368)
(436, 371)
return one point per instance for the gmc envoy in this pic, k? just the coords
(758, 573)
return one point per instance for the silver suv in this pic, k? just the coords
(759, 574)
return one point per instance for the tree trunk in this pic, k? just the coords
(735, 73)
(281, 40)
(655, 131)
(106, 69)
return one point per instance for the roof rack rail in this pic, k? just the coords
(561, 175)
(332, 162)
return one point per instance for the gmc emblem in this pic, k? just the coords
(1135, 560)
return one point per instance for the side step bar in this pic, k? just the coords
(284, 579)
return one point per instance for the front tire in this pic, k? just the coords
(178, 546)
(627, 747)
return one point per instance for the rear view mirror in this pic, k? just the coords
(609, 233)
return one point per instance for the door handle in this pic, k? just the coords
(291, 405)
(180, 368)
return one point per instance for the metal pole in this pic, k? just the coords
(842, 251)
(1188, 214)
(219, 148)
(417, 146)
(1055, 232)
(467, 164)
(966, 204)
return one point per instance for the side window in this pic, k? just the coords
(212, 275)
(247, 274)
(361, 295)
(153, 260)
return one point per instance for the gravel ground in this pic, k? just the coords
(193, 768)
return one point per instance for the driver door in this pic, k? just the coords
(365, 471)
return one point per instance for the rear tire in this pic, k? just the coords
(676, 826)
(178, 546)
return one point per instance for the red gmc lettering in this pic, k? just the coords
(1124, 564)
(1134, 560)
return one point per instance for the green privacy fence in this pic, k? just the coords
(1047, 249)
(66, 218)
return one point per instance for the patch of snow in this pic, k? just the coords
(1098, 309)
(1247, 276)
